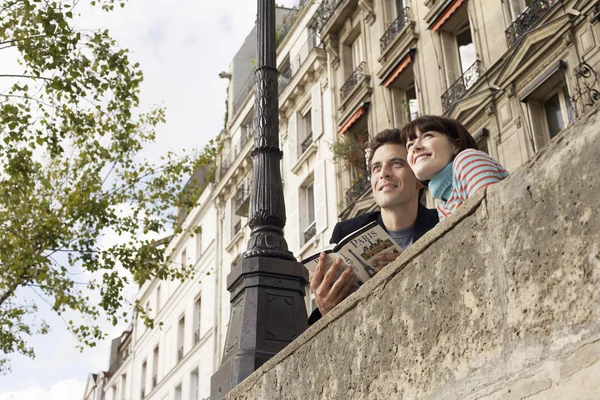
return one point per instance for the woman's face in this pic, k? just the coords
(429, 153)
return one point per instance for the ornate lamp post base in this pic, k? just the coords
(264, 292)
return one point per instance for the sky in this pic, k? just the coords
(182, 46)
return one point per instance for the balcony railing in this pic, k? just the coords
(288, 21)
(527, 19)
(394, 29)
(288, 72)
(306, 142)
(180, 354)
(461, 86)
(359, 187)
(353, 81)
(247, 134)
(310, 232)
(325, 11)
(243, 92)
(196, 336)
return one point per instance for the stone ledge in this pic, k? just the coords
(460, 314)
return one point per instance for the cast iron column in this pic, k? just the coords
(267, 285)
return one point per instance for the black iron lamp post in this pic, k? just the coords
(267, 285)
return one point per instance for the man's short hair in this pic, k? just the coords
(388, 136)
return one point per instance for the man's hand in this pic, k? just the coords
(327, 292)
(384, 259)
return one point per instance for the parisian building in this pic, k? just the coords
(514, 72)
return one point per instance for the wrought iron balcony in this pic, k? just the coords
(154, 380)
(353, 81)
(180, 354)
(306, 142)
(310, 232)
(461, 86)
(288, 71)
(325, 11)
(527, 19)
(361, 185)
(288, 21)
(394, 29)
(247, 134)
(237, 227)
(196, 336)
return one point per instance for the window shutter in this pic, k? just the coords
(316, 117)
(292, 140)
(227, 224)
(293, 223)
(537, 125)
(320, 197)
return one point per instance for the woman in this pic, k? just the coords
(442, 152)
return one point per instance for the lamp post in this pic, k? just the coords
(267, 285)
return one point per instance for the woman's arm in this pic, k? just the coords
(474, 170)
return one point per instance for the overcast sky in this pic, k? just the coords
(182, 46)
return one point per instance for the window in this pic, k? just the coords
(144, 371)
(466, 49)
(307, 204)
(197, 318)
(147, 308)
(552, 114)
(549, 104)
(357, 53)
(198, 245)
(155, 367)
(305, 130)
(194, 385)
(459, 55)
(123, 386)
(180, 338)
(184, 259)
(178, 392)
(404, 99)
(158, 299)
(518, 6)
(113, 391)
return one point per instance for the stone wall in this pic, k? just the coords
(500, 301)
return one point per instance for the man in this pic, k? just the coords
(396, 192)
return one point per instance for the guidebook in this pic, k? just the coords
(357, 250)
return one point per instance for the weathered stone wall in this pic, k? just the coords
(500, 301)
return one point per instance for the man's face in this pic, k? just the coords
(392, 181)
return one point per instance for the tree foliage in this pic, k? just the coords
(71, 172)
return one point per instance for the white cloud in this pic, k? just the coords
(68, 389)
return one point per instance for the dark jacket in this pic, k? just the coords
(426, 219)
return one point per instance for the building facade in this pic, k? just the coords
(514, 72)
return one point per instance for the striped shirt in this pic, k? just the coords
(470, 171)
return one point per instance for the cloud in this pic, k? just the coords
(68, 389)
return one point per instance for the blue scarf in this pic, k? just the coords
(441, 184)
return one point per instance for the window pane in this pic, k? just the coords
(466, 49)
(413, 104)
(553, 115)
(399, 7)
(310, 199)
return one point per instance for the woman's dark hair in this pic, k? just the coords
(457, 133)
